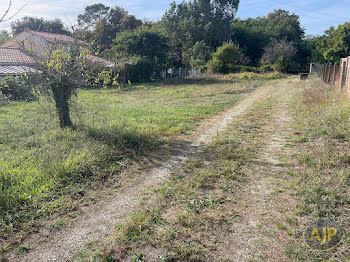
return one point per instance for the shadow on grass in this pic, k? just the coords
(200, 80)
(123, 139)
(149, 149)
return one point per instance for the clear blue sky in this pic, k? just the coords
(316, 15)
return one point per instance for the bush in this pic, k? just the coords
(225, 59)
(16, 88)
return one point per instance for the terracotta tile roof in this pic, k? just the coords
(12, 43)
(15, 70)
(100, 60)
(10, 51)
(57, 37)
(9, 56)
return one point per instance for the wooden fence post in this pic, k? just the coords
(334, 72)
(323, 68)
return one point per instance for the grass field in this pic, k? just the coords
(190, 215)
(44, 170)
(323, 182)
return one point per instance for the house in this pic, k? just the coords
(14, 58)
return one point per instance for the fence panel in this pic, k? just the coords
(334, 74)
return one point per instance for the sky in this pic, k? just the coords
(316, 16)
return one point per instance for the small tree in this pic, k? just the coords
(279, 54)
(62, 71)
(225, 58)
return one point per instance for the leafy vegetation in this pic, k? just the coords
(16, 88)
(4, 36)
(41, 24)
(145, 47)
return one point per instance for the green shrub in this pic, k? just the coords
(225, 59)
(16, 88)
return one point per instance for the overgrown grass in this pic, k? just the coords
(45, 170)
(252, 76)
(188, 217)
(323, 126)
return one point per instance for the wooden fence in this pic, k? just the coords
(334, 74)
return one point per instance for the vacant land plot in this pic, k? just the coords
(240, 185)
(45, 170)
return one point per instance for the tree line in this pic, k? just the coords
(203, 35)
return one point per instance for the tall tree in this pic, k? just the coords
(199, 20)
(38, 24)
(335, 43)
(145, 46)
(92, 15)
(100, 24)
(254, 34)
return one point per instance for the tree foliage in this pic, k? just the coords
(197, 56)
(38, 24)
(92, 15)
(335, 43)
(100, 24)
(4, 36)
(206, 21)
(144, 45)
(254, 34)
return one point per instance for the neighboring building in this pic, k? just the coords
(15, 61)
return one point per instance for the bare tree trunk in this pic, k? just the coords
(62, 94)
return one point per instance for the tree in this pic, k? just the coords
(62, 71)
(254, 34)
(225, 58)
(107, 25)
(4, 36)
(197, 56)
(279, 53)
(206, 21)
(335, 43)
(92, 15)
(142, 45)
(38, 24)
(313, 52)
